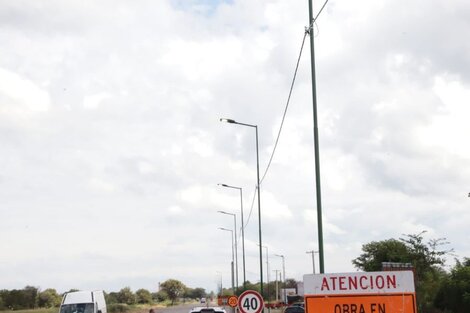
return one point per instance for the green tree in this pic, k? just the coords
(248, 286)
(143, 296)
(125, 295)
(49, 298)
(160, 296)
(270, 291)
(195, 293)
(30, 296)
(2, 305)
(291, 283)
(174, 288)
(376, 252)
(20, 299)
(454, 293)
(426, 258)
(111, 298)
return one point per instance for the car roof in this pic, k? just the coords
(207, 309)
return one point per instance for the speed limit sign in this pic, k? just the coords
(250, 301)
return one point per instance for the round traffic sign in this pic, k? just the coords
(233, 301)
(250, 301)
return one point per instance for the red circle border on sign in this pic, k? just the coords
(257, 295)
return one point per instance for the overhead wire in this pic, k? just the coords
(291, 88)
(307, 31)
(285, 110)
(280, 129)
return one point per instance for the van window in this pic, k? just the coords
(77, 308)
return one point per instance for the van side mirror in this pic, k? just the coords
(99, 311)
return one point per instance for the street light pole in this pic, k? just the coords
(259, 198)
(315, 137)
(233, 279)
(236, 249)
(313, 258)
(277, 284)
(267, 270)
(283, 277)
(242, 228)
(220, 283)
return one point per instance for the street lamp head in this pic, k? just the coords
(223, 212)
(228, 120)
(229, 186)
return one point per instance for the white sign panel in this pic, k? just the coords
(359, 283)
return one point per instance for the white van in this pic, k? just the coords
(83, 302)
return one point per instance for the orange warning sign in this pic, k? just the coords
(360, 292)
(386, 303)
(233, 301)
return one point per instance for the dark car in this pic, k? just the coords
(295, 309)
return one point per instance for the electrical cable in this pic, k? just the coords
(251, 209)
(285, 110)
(318, 14)
(287, 106)
(291, 88)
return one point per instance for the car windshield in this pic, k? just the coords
(294, 309)
(77, 308)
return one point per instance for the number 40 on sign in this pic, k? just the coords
(250, 301)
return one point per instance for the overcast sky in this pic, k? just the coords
(111, 147)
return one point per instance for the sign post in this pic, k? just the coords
(250, 301)
(360, 292)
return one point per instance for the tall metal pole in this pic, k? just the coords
(259, 216)
(267, 270)
(232, 268)
(233, 280)
(316, 143)
(283, 277)
(236, 250)
(243, 231)
(277, 284)
(243, 238)
(313, 259)
(220, 282)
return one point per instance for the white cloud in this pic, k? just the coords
(273, 209)
(110, 119)
(448, 130)
(21, 96)
(93, 101)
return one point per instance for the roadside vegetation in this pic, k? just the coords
(32, 300)
(437, 290)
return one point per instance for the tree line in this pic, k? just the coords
(31, 297)
(269, 289)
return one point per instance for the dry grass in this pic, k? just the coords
(50, 310)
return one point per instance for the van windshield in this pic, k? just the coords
(77, 308)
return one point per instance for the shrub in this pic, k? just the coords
(118, 308)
